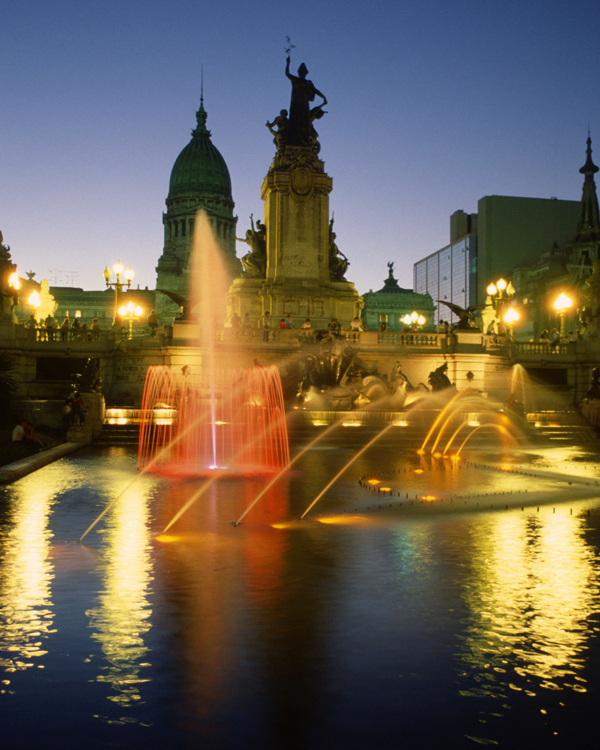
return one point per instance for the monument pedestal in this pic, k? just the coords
(303, 276)
(318, 302)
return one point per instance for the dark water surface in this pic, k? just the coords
(423, 625)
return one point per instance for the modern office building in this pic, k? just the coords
(505, 233)
(450, 274)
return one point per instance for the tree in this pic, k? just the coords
(8, 387)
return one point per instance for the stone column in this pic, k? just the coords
(296, 213)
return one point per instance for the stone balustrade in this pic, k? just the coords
(297, 337)
(27, 336)
(455, 341)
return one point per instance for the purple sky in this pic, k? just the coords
(432, 105)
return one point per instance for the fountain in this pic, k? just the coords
(230, 419)
(196, 425)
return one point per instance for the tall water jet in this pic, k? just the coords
(228, 418)
(519, 386)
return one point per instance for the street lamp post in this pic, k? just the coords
(510, 319)
(561, 305)
(14, 284)
(414, 320)
(131, 312)
(34, 300)
(31, 324)
(498, 292)
(118, 285)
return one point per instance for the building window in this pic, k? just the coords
(59, 368)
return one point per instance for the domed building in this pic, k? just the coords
(392, 303)
(199, 179)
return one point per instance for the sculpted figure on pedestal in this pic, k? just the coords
(255, 262)
(281, 122)
(338, 263)
(300, 130)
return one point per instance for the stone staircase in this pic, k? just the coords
(120, 427)
(562, 427)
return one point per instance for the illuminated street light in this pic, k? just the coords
(118, 285)
(510, 319)
(561, 305)
(14, 284)
(35, 301)
(498, 291)
(131, 312)
(414, 319)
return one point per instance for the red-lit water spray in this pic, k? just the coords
(227, 420)
(219, 416)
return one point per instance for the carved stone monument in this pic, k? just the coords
(294, 266)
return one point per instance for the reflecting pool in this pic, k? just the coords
(458, 606)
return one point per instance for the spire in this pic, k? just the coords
(588, 227)
(201, 129)
(589, 167)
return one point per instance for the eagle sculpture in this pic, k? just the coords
(465, 316)
(183, 303)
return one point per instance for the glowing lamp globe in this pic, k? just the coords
(562, 302)
(34, 300)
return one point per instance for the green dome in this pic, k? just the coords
(200, 168)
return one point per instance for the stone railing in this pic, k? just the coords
(539, 348)
(455, 341)
(366, 339)
(27, 336)
(395, 339)
(501, 344)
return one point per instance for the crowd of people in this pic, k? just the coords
(73, 329)
(239, 326)
(552, 338)
(76, 329)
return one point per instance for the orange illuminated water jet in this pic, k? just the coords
(232, 423)
(216, 419)
(498, 427)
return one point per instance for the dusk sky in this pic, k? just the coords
(431, 106)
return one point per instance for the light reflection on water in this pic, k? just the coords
(121, 617)
(531, 588)
(26, 573)
(340, 630)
